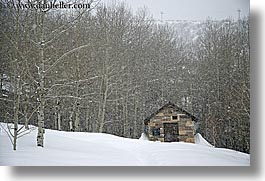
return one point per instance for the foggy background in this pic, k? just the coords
(191, 9)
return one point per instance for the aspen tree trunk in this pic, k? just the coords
(126, 117)
(117, 117)
(104, 91)
(123, 117)
(16, 94)
(214, 137)
(71, 125)
(57, 116)
(71, 121)
(87, 119)
(26, 118)
(135, 117)
(77, 119)
(74, 116)
(99, 110)
(125, 120)
(102, 116)
(59, 121)
(1, 82)
(40, 136)
(26, 123)
(77, 102)
(75, 113)
(16, 110)
(100, 101)
(41, 101)
(55, 121)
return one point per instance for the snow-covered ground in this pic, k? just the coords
(96, 149)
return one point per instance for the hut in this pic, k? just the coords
(170, 124)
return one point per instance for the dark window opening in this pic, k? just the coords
(156, 131)
(174, 117)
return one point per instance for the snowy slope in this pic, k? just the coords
(69, 148)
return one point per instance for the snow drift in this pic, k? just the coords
(98, 149)
(201, 141)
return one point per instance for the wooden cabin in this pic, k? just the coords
(170, 124)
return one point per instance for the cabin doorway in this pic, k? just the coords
(171, 132)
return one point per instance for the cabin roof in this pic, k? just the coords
(170, 105)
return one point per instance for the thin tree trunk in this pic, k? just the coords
(41, 72)
(26, 117)
(40, 136)
(16, 110)
(125, 120)
(77, 119)
(71, 125)
(72, 122)
(58, 110)
(104, 88)
(56, 115)
(102, 118)
(99, 104)
(135, 117)
(59, 121)
(87, 119)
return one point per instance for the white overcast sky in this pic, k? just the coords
(191, 9)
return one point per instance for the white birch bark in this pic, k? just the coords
(103, 108)
(135, 117)
(103, 92)
(77, 118)
(16, 111)
(57, 115)
(40, 136)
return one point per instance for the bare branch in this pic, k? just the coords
(64, 55)
(9, 136)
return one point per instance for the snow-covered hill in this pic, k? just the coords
(72, 148)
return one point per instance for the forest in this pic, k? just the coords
(105, 69)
